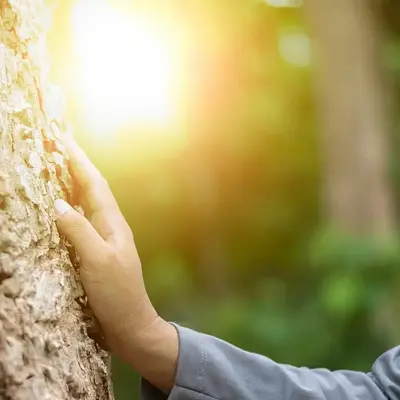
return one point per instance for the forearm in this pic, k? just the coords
(210, 368)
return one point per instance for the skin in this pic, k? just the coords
(111, 274)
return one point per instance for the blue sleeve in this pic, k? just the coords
(209, 368)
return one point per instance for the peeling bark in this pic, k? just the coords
(45, 352)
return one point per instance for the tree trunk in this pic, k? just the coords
(45, 352)
(357, 192)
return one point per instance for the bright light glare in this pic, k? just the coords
(126, 67)
(295, 48)
(285, 3)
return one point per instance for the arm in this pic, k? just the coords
(186, 364)
(210, 368)
(112, 277)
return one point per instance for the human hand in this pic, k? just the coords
(111, 273)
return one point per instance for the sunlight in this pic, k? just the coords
(126, 67)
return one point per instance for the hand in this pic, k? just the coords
(111, 274)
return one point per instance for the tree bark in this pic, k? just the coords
(45, 351)
(353, 98)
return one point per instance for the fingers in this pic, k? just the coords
(90, 180)
(79, 231)
(100, 202)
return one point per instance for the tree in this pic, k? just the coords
(357, 193)
(45, 351)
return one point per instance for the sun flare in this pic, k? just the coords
(126, 67)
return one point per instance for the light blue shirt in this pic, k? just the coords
(210, 369)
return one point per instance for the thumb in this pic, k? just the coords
(78, 230)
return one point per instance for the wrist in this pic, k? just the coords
(142, 320)
(155, 354)
(126, 334)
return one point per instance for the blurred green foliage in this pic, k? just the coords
(229, 229)
(229, 232)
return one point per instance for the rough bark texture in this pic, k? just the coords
(354, 104)
(45, 352)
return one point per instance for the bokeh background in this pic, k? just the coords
(253, 148)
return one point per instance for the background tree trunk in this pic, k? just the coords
(45, 352)
(357, 191)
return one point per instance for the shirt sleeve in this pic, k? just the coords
(209, 368)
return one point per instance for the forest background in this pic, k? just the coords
(253, 148)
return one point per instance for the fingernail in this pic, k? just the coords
(62, 207)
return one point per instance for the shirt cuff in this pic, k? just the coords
(189, 380)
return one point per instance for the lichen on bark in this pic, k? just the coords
(45, 352)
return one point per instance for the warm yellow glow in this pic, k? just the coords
(126, 67)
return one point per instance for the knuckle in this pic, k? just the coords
(129, 234)
(101, 182)
(94, 182)
(74, 224)
(77, 223)
(110, 257)
(124, 227)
